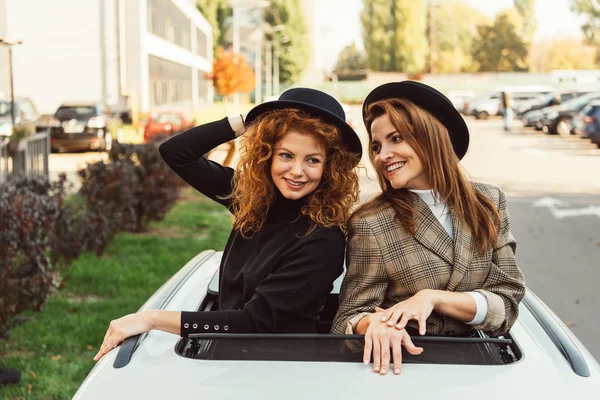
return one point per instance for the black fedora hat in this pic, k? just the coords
(430, 100)
(315, 103)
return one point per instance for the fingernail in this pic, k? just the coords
(366, 362)
(376, 369)
(383, 319)
(390, 323)
(383, 371)
(397, 371)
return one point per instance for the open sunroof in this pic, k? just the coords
(342, 348)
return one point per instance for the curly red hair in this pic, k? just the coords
(253, 188)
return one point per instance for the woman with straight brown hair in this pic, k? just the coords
(433, 253)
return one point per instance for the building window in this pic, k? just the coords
(168, 22)
(201, 46)
(169, 82)
(203, 86)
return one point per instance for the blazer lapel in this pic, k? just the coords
(430, 232)
(463, 252)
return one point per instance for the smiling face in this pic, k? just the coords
(395, 159)
(298, 163)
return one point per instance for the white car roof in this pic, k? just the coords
(155, 370)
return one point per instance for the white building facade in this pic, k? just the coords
(138, 55)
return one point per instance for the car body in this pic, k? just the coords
(461, 98)
(548, 100)
(84, 126)
(491, 103)
(165, 123)
(587, 122)
(557, 120)
(26, 116)
(543, 359)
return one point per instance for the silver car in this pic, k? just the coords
(539, 359)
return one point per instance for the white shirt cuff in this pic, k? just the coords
(482, 308)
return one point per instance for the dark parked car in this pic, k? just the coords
(26, 117)
(551, 99)
(556, 120)
(84, 126)
(587, 123)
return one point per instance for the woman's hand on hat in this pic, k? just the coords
(418, 307)
(380, 339)
(237, 123)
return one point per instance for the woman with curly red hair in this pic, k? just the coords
(290, 197)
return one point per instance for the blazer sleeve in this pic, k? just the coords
(184, 153)
(504, 286)
(366, 282)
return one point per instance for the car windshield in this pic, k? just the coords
(4, 108)
(343, 348)
(72, 112)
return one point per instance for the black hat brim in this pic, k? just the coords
(431, 100)
(349, 137)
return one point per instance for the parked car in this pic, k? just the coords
(26, 116)
(165, 123)
(84, 126)
(491, 104)
(461, 98)
(539, 358)
(556, 120)
(587, 122)
(550, 99)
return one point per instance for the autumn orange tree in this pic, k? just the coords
(231, 74)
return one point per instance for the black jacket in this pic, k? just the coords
(274, 281)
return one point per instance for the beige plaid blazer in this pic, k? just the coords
(386, 265)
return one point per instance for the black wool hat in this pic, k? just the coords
(315, 103)
(430, 100)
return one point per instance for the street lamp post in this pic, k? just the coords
(10, 44)
(268, 68)
(237, 6)
(277, 43)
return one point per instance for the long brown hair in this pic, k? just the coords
(253, 188)
(431, 141)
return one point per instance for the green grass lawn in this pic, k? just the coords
(54, 348)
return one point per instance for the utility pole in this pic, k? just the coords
(277, 44)
(10, 44)
(268, 68)
(432, 38)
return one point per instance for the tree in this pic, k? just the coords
(499, 47)
(394, 34)
(526, 9)
(453, 43)
(590, 9)
(215, 11)
(231, 74)
(562, 53)
(375, 19)
(290, 15)
(351, 64)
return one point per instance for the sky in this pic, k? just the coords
(339, 22)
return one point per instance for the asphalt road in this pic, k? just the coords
(553, 190)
